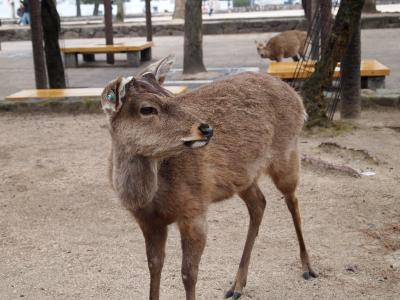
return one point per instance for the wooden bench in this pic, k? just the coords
(135, 53)
(62, 94)
(373, 73)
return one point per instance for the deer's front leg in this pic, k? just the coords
(193, 236)
(155, 237)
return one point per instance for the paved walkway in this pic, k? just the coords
(237, 50)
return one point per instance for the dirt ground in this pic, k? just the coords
(64, 235)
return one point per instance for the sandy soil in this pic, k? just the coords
(64, 235)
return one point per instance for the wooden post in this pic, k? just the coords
(37, 44)
(108, 29)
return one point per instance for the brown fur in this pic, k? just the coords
(256, 119)
(285, 44)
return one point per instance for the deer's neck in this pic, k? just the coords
(135, 178)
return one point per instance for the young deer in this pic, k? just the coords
(163, 172)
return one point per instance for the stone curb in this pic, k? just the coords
(370, 99)
(72, 105)
(381, 97)
(175, 28)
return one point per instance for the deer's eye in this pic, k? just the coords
(148, 110)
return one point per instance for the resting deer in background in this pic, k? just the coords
(172, 156)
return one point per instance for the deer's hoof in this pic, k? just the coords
(234, 295)
(309, 274)
(228, 294)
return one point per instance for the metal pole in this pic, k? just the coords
(37, 44)
(108, 28)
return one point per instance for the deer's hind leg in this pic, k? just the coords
(285, 175)
(255, 203)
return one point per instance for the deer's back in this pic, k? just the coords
(256, 119)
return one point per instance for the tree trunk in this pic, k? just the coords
(179, 12)
(51, 32)
(326, 23)
(149, 27)
(37, 45)
(193, 44)
(370, 6)
(78, 8)
(313, 26)
(316, 30)
(108, 29)
(120, 11)
(346, 22)
(307, 10)
(96, 8)
(351, 78)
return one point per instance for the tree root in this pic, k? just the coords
(363, 153)
(321, 164)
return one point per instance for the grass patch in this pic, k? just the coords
(333, 129)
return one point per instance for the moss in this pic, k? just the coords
(330, 129)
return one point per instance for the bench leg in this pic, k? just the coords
(133, 58)
(373, 83)
(145, 55)
(71, 60)
(89, 57)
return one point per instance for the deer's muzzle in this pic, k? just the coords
(200, 137)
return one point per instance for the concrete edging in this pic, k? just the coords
(175, 28)
(370, 99)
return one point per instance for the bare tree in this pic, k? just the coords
(120, 11)
(78, 8)
(37, 44)
(179, 12)
(351, 78)
(370, 6)
(193, 44)
(51, 32)
(149, 27)
(108, 28)
(310, 8)
(96, 7)
(326, 23)
(346, 23)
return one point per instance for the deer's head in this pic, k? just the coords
(143, 119)
(263, 49)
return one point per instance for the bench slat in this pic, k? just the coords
(107, 48)
(286, 70)
(58, 94)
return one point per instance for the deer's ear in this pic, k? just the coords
(113, 95)
(160, 68)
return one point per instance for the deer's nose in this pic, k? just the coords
(206, 130)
